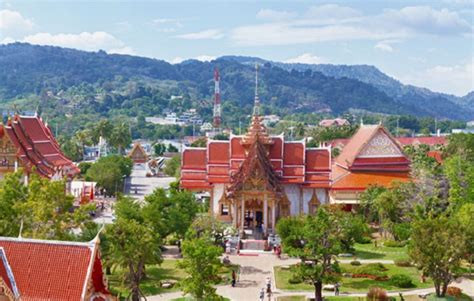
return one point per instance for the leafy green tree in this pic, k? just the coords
(172, 148)
(173, 166)
(121, 137)
(437, 247)
(460, 174)
(102, 129)
(133, 243)
(110, 172)
(201, 263)
(159, 149)
(170, 213)
(42, 206)
(367, 202)
(465, 216)
(316, 240)
(208, 225)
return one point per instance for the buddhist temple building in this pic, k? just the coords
(254, 179)
(27, 142)
(138, 154)
(32, 269)
(371, 157)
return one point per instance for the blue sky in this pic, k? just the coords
(425, 43)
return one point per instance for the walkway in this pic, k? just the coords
(138, 185)
(255, 269)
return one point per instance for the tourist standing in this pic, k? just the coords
(234, 278)
(262, 294)
(336, 288)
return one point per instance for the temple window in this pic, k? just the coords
(224, 209)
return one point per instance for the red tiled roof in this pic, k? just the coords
(430, 140)
(54, 270)
(36, 147)
(293, 153)
(218, 152)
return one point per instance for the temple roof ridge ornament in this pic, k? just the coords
(257, 130)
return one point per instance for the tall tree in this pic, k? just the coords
(201, 263)
(316, 240)
(121, 137)
(133, 243)
(437, 247)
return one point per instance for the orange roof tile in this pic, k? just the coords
(343, 179)
(194, 158)
(218, 152)
(53, 270)
(293, 153)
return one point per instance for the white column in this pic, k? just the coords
(265, 214)
(242, 223)
(273, 217)
(234, 213)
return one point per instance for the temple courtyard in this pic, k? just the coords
(255, 268)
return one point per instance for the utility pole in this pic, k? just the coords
(217, 101)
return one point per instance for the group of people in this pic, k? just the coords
(268, 290)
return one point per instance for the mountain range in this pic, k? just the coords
(284, 88)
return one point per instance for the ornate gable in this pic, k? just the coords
(380, 146)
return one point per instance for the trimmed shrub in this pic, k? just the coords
(394, 244)
(364, 240)
(402, 281)
(295, 280)
(355, 262)
(402, 231)
(377, 294)
(454, 291)
(403, 263)
(371, 270)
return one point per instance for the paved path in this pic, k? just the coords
(255, 270)
(141, 184)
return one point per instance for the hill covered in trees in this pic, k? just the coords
(85, 85)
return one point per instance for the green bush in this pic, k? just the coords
(295, 280)
(375, 269)
(402, 281)
(394, 244)
(355, 262)
(402, 231)
(403, 263)
(364, 240)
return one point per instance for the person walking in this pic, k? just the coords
(336, 288)
(234, 278)
(262, 294)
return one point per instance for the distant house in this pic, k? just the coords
(33, 269)
(334, 122)
(138, 154)
(206, 127)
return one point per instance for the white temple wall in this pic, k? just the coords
(307, 194)
(322, 195)
(293, 194)
(217, 193)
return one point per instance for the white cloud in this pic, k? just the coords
(177, 60)
(455, 79)
(90, 41)
(340, 23)
(424, 19)
(205, 58)
(123, 50)
(332, 11)
(306, 58)
(12, 22)
(270, 14)
(209, 34)
(166, 24)
(384, 47)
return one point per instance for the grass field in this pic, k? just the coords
(345, 298)
(155, 275)
(369, 251)
(355, 285)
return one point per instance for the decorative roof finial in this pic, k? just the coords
(256, 107)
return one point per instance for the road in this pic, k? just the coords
(138, 185)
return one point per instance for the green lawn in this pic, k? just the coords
(155, 275)
(344, 298)
(368, 251)
(355, 285)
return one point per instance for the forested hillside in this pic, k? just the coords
(85, 85)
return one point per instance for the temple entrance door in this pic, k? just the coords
(259, 217)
